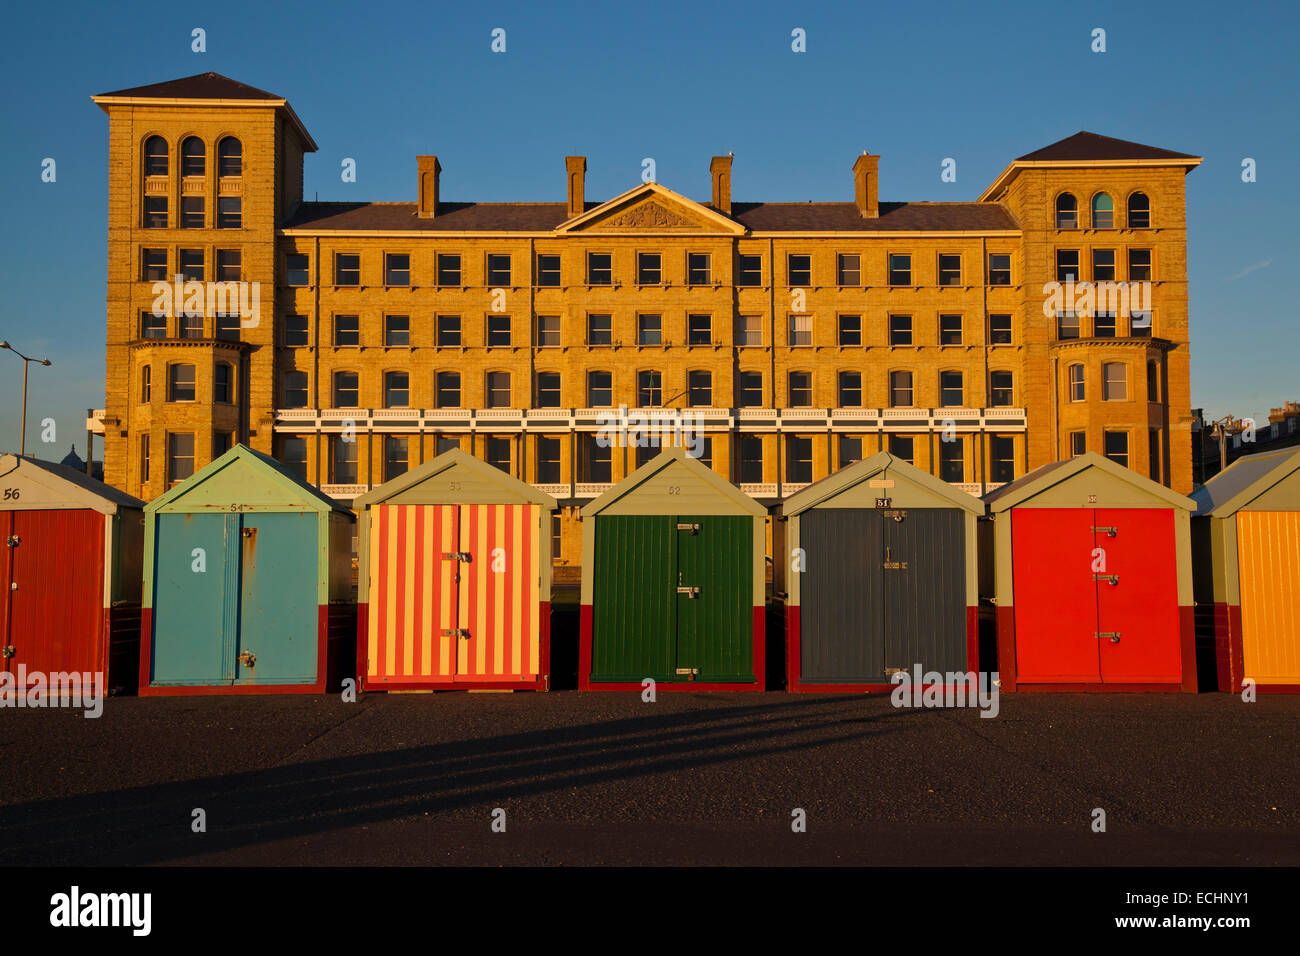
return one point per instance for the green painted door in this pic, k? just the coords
(713, 590)
(278, 633)
(633, 623)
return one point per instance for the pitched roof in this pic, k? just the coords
(201, 86)
(673, 455)
(1044, 477)
(511, 488)
(1243, 481)
(1084, 146)
(860, 471)
(543, 217)
(80, 479)
(287, 479)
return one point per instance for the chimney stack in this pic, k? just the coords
(866, 190)
(576, 166)
(720, 170)
(428, 171)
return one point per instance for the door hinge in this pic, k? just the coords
(1113, 635)
(688, 526)
(462, 632)
(1110, 532)
(1108, 578)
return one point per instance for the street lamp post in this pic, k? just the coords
(22, 442)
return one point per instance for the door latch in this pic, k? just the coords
(688, 526)
(247, 658)
(690, 672)
(13, 540)
(1110, 532)
(249, 532)
(456, 556)
(890, 564)
(461, 632)
(8, 651)
(1111, 579)
(1113, 635)
(688, 590)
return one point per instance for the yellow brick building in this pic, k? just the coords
(788, 339)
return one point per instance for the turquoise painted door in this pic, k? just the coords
(196, 562)
(277, 636)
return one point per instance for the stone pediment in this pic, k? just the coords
(651, 208)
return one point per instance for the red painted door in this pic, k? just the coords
(1055, 596)
(55, 586)
(1137, 597)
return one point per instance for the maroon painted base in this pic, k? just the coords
(584, 662)
(541, 683)
(1230, 654)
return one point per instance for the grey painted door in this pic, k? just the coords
(841, 619)
(925, 594)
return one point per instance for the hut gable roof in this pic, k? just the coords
(674, 467)
(1049, 476)
(1245, 480)
(891, 467)
(245, 477)
(481, 484)
(66, 487)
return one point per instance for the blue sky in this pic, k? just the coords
(679, 82)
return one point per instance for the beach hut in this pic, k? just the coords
(1246, 556)
(881, 563)
(1093, 580)
(71, 581)
(673, 582)
(247, 583)
(455, 579)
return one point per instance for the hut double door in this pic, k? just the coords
(882, 591)
(673, 599)
(454, 592)
(53, 591)
(235, 599)
(1268, 568)
(1096, 596)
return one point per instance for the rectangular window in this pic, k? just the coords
(397, 456)
(223, 384)
(1077, 383)
(548, 331)
(749, 390)
(295, 389)
(146, 383)
(850, 331)
(1067, 265)
(699, 268)
(749, 330)
(1067, 325)
(343, 461)
(999, 268)
(800, 330)
(448, 331)
(950, 389)
(1139, 265)
(1114, 382)
(751, 459)
(1000, 391)
(498, 390)
(229, 265)
(346, 389)
(949, 270)
(904, 447)
(548, 389)
(850, 451)
(900, 330)
(699, 329)
(950, 330)
(599, 330)
(397, 390)
(900, 389)
(180, 456)
(548, 271)
(347, 268)
(699, 389)
(295, 331)
(798, 270)
(1002, 458)
(498, 270)
(191, 326)
(1103, 325)
(153, 265)
(192, 212)
(1103, 265)
(449, 269)
(849, 269)
(1078, 443)
(798, 469)
(649, 388)
(751, 271)
(1153, 455)
(548, 460)
(1153, 382)
(397, 269)
(144, 458)
(153, 326)
(850, 389)
(648, 268)
(446, 390)
(297, 269)
(597, 461)
(155, 212)
(229, 212)
(498, 330)
(600, 268)
(952, 458)
(180, 383)
(1139, 324)
(1116, 447)
(800, 388)
(191, 264)
(397, 331)
(496, 452)
(649, 330)
(227, 326)
(999, 330)
(293, 455)
(347, 330)
(599, 389)
(900, 269)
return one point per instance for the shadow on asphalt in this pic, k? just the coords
(144, 825)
